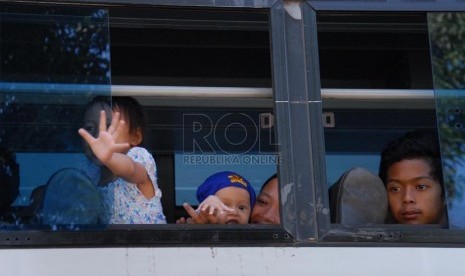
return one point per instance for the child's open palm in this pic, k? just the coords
(105, 145)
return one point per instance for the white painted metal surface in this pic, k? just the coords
(282, 261)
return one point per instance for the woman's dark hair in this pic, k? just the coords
(268, 181)
(419, 144)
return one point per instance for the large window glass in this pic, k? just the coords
(205, 84)
(53, 61)
(202, 78)
(376, 86)
(367, 84)
(221, 141)
(446, 32)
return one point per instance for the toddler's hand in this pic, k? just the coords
(212, 205)
(211, 210)
(105, 144)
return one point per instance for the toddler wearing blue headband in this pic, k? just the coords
(225, 198)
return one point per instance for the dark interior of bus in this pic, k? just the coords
(195, 47)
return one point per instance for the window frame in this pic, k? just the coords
(298, 107)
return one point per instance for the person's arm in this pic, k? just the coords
(123, 166)
(112, 154)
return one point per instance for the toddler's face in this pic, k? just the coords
(124, 135)
(414, 196)
(239, 200)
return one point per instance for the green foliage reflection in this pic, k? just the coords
(447, 38)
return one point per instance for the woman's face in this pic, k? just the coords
(266, 208)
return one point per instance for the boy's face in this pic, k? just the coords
(239, 200)
(266, 208)
(91, 124)
(414, 196)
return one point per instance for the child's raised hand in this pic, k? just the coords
(213, 208)
(105, 145)
(195, 217)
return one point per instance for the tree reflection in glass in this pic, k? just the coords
(447, 41)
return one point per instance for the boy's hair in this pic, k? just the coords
(419, 144)
(132, 111)
(98, 100)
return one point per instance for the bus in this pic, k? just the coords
(305, 89)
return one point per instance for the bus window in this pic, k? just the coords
(377, 87)
(205, 90)
(312, 90)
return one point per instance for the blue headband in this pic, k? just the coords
(222, 180)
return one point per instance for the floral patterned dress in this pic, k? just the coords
(123, 201)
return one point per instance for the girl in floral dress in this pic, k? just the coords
(132, 195)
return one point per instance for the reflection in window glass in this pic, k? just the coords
(224, 141)
(53, 61)
(192, 170)
(447, 32)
